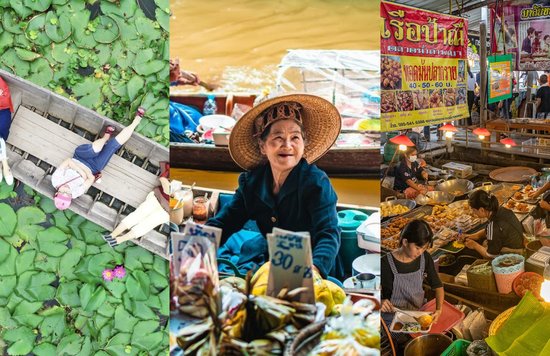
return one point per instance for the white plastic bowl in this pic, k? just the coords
(210, 122)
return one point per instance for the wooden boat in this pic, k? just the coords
(361, 162)
(45, 130)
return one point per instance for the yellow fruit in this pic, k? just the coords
(234, 282)
(322, 293)
(259, 280)
(425, 321)
(338, 294)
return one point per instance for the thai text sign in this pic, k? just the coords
(500, 78)
(423, 67)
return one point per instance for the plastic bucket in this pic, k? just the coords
(504, 276)
(349, 221)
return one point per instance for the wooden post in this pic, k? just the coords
(483, 73)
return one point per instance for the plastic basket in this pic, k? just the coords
(504, 276)
(457, 348)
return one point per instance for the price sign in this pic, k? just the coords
(291, 263)
(191, 229)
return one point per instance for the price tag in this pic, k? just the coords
(179, 240)
(291, 263)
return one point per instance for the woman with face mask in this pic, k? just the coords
(408, 173)
(503, 233)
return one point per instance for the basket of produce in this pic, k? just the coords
(480, 276)
(356, 331)
(506, 268)
(393, 206)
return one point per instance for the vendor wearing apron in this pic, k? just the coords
(404, 270)
(504, 233)
(408, 173)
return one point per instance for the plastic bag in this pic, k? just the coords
(478, 348)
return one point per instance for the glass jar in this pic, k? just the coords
(200, 209)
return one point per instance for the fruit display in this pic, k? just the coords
(390, 210)
(355, 332)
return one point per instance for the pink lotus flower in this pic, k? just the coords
(119, 272)
(108, 275)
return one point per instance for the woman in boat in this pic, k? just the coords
(6, 109)
(75, 176)
(408, 173)
(276, 142)
(542, 211)
(404, 270)
(153, 212)
(503, 233)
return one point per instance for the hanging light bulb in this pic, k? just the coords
(402, 140)
(402, 147)
(508, 142)
(545, 287)
(481, 132)
(449, 134)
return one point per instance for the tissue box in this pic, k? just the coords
(459, 170)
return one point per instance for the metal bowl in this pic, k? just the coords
(487, 187)
(456, 187)
(393, 201)
(435, 198)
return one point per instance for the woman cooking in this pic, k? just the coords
(504, 233)
(408, 173)
(403, 272)
(276, 142)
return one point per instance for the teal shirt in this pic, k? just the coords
(306, 202)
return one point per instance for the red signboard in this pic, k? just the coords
(423, 67)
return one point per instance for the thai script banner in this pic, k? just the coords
(423, 67)
(524, 31)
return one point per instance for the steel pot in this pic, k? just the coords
(487, 187)
(393, 201)
(456, 187)
(428, 345)
(435, 198)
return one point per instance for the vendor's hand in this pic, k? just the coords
(422, 190)
(471, 244)
(387, 306)
(436, 314)
(544, 204)
(532, 194)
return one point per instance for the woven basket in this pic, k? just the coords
(499, 321)
(306, 340)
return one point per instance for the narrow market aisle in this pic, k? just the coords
(349, 190)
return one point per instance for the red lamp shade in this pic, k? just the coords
(481, 131)
(508, 141)
(448, 127)
(402, 140)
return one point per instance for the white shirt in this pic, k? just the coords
(70, 177)
(471, 82)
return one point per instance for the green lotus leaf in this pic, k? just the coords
(89, 94)
(92, 232)
(41, 72)
(46, 205)
(127, 29)
(124, 321)
(6, 320)
(58, 28)
(126, 59)
(146, 29)
(92, 250)
(160, 265)
(68, 261)
(8, 255)
(10, 22)
(164, 5)
(35, 31)
(145, 56)
(81, 271)
(62, 52)
(149, 341)
(82, 37)
(61, 221)
(20, 8)
(6, 41)
(123, 8)
(136, 46)
(151, 67)
(53, 325)
(38, 288)
(30, 215)
(70, 345)
(158, 280)
(44, 349)
(103, 52)
(86, 347)
(17, 66)
(8, 221)
(100, 262)
(67, 294)
(4, 3)
(46, 263)
(8, 285)
(116, 288)
(107, 30)
(62, 2)
(70, 7)
(143, 311)
(138, 285)
(22, 41)
(163, 18)
(26, 55)
(107, 310)
(25, 313)
(148, 129)
(91, 299)
(24, 261)
(53, 235)
(22, 338)
(38, 5)
(136, 257)
(120, 89)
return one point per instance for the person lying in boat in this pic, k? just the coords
(6, 108)
(403, 272)
(408, 173)
(181, 77)
(75, 176)
(503, 233)
(276, 142)
(153, 212)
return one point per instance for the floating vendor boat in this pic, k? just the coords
(45, 130)
(348, 79)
